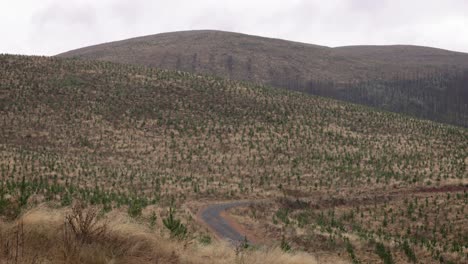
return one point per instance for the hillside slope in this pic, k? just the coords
(138, 140)
(421, 81)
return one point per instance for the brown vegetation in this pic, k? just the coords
(419, 227)
(137, 141)
(425, 82)
(40, 236)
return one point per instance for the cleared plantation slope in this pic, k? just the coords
(141, 132)
(421, 81)
(136, 140)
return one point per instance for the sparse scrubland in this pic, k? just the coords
(135, 147)
(424, 82)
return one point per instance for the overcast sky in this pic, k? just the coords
(48, 27)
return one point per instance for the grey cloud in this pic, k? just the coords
(66, 14)
(55, 26)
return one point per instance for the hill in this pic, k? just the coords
(424, 82)
(339, 180)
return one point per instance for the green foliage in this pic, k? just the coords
(66, 199)
(283, 215)
(285, 245)
(383, 253)
(350, 250)
(205, 239)
(135, 207)
(24, 192)
(153, 219)
(245, 243)
(303, 219)
(3, 201)
(174, 225)
(409, 252)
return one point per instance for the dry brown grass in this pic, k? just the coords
(41, 236)
(98, 132)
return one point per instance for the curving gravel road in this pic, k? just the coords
(211, 216)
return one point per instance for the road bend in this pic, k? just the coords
(211, 216)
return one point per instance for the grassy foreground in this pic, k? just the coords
(44, 235)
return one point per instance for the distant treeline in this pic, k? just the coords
(440, 96)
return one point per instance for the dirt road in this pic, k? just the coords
(212, 216)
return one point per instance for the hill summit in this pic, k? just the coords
(421, 81)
